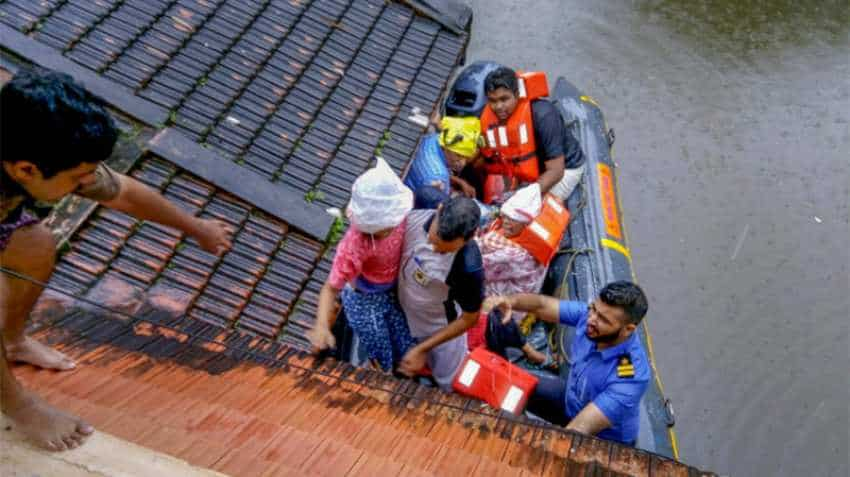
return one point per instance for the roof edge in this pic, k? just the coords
(454, 15)
(103, 454)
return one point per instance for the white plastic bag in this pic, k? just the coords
(379, 200)
(525, 205)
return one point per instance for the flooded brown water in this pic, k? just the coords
(733, 140)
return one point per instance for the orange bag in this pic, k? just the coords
(542, 237)
(487, 376)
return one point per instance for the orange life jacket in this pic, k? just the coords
(510, 149)
(542, 237)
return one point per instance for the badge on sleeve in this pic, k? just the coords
(419, 274)
(625, 368)
(420, 277)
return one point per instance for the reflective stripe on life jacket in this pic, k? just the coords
(542, 237)
(510, 148)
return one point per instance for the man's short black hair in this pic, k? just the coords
(49, 119)
(502, 77)
(458, 218)
(628, 296)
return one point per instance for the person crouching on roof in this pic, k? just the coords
(447, 158)
(509, 268)
(54, 139)
(365, 270)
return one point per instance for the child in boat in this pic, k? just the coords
(444, 158)
(510, 269)
(365, 269)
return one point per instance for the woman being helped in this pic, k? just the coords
(509, 268)
(365, 269)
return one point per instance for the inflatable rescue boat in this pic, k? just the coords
(594, 250)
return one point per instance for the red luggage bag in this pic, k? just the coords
(487, 376)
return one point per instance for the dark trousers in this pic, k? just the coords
(548, 401)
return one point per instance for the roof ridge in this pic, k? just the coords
(279, 200)
(454, 15)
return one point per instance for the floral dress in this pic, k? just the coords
(366, 269)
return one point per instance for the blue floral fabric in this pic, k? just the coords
(379, 322)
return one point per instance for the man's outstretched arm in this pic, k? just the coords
(144, 203)
(590, 420)
(544, 307)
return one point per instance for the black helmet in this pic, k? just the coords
(466, 96)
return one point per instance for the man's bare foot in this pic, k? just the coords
(31, 351)
(45, 425)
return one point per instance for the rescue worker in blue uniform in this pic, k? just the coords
(610, 370)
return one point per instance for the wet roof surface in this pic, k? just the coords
(301, 93)
(269, 278)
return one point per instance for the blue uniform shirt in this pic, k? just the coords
(604, 378)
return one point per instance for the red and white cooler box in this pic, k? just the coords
(487, 376)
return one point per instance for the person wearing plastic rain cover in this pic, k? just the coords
(365, 269)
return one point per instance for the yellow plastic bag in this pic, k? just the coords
(460, 135)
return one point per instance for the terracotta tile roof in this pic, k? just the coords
(248, 406)
(271, 273)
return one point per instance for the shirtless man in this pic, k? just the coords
(53, 138)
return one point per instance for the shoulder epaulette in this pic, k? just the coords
(625, 368)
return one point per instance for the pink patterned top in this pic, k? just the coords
(359, 254)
